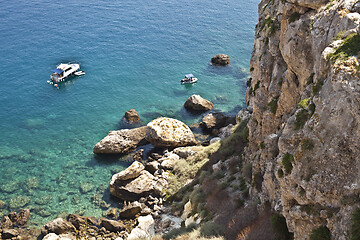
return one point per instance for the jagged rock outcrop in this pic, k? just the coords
(122, 141)
(220, 59)
(304, 92)
(197, 103)
(169, 132)
(58, 226)
(135, 182)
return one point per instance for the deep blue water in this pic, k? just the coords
(134, 54)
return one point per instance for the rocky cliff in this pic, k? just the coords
(304, 92)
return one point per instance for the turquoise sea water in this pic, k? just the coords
(134, 54)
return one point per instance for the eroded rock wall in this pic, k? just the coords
(306, 109)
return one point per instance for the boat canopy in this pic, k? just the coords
(190, 75)
(58, 71)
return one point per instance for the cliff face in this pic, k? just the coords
(304, 134)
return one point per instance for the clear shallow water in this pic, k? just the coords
(134, 53)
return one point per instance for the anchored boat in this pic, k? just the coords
(63, 71)
(189, 78)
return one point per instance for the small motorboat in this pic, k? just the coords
(63, 71)
(79, 73)
(189, 78)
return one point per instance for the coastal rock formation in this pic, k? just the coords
(130, 210)
(132, 184)
(57, 226)
(122, 141)
(197, 103)
(304, 129)
(132, 116)
(220, 59)
(215, 121)
(144, 230)
(112, 225)
(169, 132)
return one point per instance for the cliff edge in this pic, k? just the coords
(304, 131)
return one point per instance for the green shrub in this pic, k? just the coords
(280, 173)
(179, 231)
(287, 160)
(301, 118)
(350, 47)
(211, 229)
(302, 192)
(273, 104)
(307, 144)
(240, 203)
(320, 233)
(317, 87)
(258, 179)
(257, 85)
(248, 82)
(247, 171)
(278, 224)
(262, 145)
(251, 69)
(304, 103)
(294, 17)
(312, 108)
(355, 228)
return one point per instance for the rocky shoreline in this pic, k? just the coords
(142, 187)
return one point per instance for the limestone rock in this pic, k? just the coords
(243, 115)
(23, 217)
(225, 132)
(79, 221)
(197, 103)
(6, 222)
(152, 166)
(51, 236)
(9, 233)
(112, 225)
(216, 121)
(144, 230)
(58, 226)
(133, 171)
(169, 132)
(130, 210)
(141, 186)
(169, 162)
(132, 116)
(122, 141)
(220, 59)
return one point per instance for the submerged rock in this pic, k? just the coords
(169, 132)
(220, 59)
(23, 217)
(197, 103)
(86, 187)
(122, 141)
(132, 116)
(19, 202)
(2, 204)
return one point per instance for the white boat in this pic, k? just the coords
(189, 78)
(63, 71)
(79, 73)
